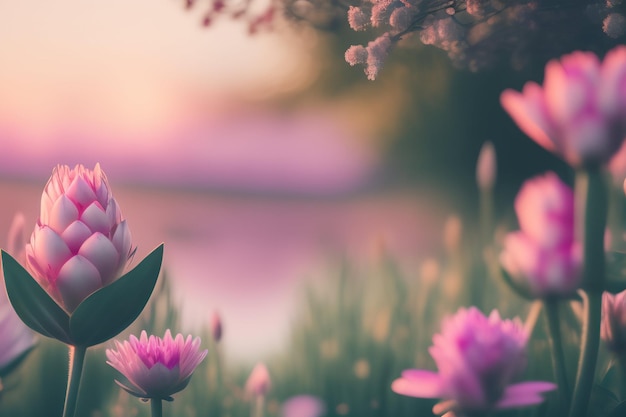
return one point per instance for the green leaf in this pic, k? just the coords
(111, 309)
(32, 303)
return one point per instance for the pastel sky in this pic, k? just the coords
(142, 88)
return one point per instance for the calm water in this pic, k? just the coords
(247, 256)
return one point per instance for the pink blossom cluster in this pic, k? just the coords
(543, 256)
(478, 33)
(242, 11)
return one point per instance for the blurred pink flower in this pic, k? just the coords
(613, 328)
(216, 326)
(259, 382)
(80, 242)
(580, 112)
(154, 367)
(303, 406)
(15, 337)
(545, 271)
(544, 256)
(478, 359)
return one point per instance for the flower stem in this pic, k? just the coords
(591, 211)
(556, 347)
(77, 360)
(156, 407)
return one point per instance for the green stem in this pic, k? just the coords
(556, 347)
(591, 210)
(77, 360)
(156, 407)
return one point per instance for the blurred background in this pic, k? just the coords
(262, 161)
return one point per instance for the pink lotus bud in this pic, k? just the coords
(545, 210)
(613, 327)
(486, 167)
(156, 368)
(216, 326)
(259, 382)
(580, 111)
(81, 241)
(478, 359)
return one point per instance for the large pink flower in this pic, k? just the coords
(580, 112)
(81, 241)
(156, 367)
(479, 359)
(613, 328)
(544, 256)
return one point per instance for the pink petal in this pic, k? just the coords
(566, 94)
(80, 192)
(49, 250)
(528, 110)
(613, 82)
(99, 250)
(75, 235)
(76, 281)
(62, 214)
(122, 239)
(96, 219)
(525, 393)
(418, 383)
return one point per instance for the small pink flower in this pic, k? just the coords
(156, 368)
(259, 382)
(613, 328)
(81, 241)
(543, 255)
(15, 338)
(479, 359)
(580, 112)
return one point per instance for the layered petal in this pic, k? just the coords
(80, 230)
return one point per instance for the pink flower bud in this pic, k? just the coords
(478, 360)
(613, 327)
(81, 241)
(486, 167)
(216, 326)
(259, 382)
(543, 256)
(154, 367)
(545, 210)
(580, 111)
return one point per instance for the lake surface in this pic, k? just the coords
(247, 255)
